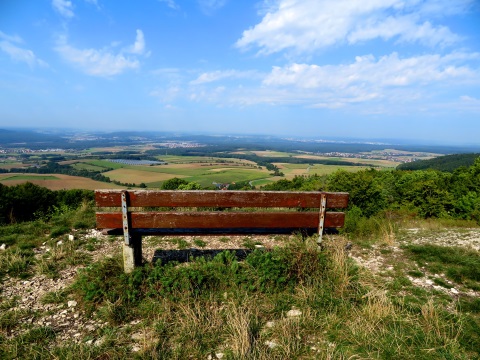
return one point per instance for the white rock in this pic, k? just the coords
(72, 303)
(99, 342)
(60, 242)
(136, 349)
(294, 312)
(271, 344)
(217, 356)
(71, 237)
(270, 324)
(454, 291)
(138, 336)
(3, 246)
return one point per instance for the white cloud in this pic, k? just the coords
(63, 7)
(469, 103)
(166, 95)
(103, 62)
(308, 25)
(391, 84)
(218, 75)
(11, 38)
(95, 3)
(10, 46)
(171, 4)
(368, 72)
(406, 29)
(139, 46)
(385, 84)
(210, 6)
(368, 79)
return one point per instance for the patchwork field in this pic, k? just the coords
(205, 170)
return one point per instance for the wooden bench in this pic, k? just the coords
(138, 213)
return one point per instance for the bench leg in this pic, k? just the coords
(132, 253)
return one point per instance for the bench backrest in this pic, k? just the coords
(146, 212)
(219, 212)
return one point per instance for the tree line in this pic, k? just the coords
(443, 163)
(421, 193)
(26, 202)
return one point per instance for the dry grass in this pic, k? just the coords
(388, 233)
(241, 323)
(378, 307)
(339, 265)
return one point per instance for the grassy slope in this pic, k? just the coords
(292, 302)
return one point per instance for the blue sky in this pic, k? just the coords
(398, 69)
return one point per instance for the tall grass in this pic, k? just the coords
(241, 309)
(19, 259)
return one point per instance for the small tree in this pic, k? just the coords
(173, 184)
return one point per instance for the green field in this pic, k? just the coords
(154, 176)
(87, 166)
(104, 164)
(30, 177)
(206, 170)
(227, 176)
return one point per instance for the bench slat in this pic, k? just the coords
(226, 199)
(227, 220)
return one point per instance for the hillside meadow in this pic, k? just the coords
(386, 294)
(400, 281)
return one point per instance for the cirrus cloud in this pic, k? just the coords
(63, 7)
(11, 45)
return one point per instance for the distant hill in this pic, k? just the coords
(30, 139)
(443, 163)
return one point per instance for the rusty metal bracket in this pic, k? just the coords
(125, 218)
(323, 207)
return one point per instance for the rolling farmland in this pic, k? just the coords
(145, 166)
